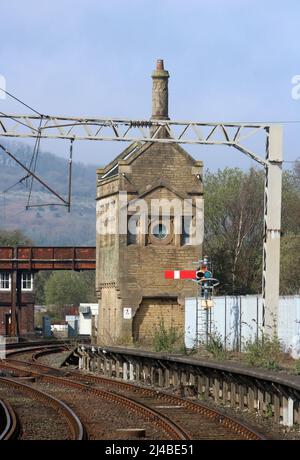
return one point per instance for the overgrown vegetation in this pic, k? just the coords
(166, 339)
(264, 351)
(296, 369)
(14, 238)
(215, 346)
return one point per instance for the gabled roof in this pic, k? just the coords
(112, 169)
(131, 153)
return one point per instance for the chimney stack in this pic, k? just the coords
(160, 98)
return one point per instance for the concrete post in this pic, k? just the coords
(160, 377)
(117, 368)
(175, 378)
(206, 387)
(109, 368)
(287, 411)
(152, 374)
(260, 402)
(191, 379)
(232, 395)
(125, 370)
(199, 385)
(272, 228)
(225, 392)
(250, 396)
(276, 408)
(137, 372)
(183, 378)
(145, 373)
(241, 397)
(105, 366)
(167, 378)
(131, 373)
(216, 390)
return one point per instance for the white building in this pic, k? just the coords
(59, 329)
(88, 317)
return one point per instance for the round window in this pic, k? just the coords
(160, 231)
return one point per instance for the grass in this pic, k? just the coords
(167, 339)
(264, 351)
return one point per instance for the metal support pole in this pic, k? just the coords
(14, 303)
(70, 176)
(272, 228)
(197, 319)
(16, 299)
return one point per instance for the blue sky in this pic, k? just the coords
(229, 60)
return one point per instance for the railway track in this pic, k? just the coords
(162, 408)
(9, 426)
(162, 423)
(75, 429)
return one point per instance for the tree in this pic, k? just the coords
(40, 280)
(290, 243)
(233, 228)
(290, 265)
(14, 238)
(65, 288)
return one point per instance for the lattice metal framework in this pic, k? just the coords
(163, 131)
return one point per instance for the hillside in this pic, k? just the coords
(51, 225)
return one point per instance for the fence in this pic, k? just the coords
(239, 318)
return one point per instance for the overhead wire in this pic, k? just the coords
(33, 161)
(21, 102)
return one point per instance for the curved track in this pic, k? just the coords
(77, 430)
(9, 426)
(139, 400)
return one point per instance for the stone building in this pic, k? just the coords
(148, 201)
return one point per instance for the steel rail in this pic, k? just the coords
(9, 420)
(232, 424)
(76, 428)
(172, 430)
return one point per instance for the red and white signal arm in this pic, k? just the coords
(180, 274)
(127, 313)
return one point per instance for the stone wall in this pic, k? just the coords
(155, 313)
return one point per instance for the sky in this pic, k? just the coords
(229, 60)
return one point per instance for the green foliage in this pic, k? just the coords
(215, 346)
(68, 288)
(234, 229)
(166, 339)
(296, 369)
(290, 264)
(40, 280)
(14, 238)
(263, 352)
(269, 411)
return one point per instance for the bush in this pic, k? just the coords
(215, 346)
(165, 339)
(296, 369)
(263, 352)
